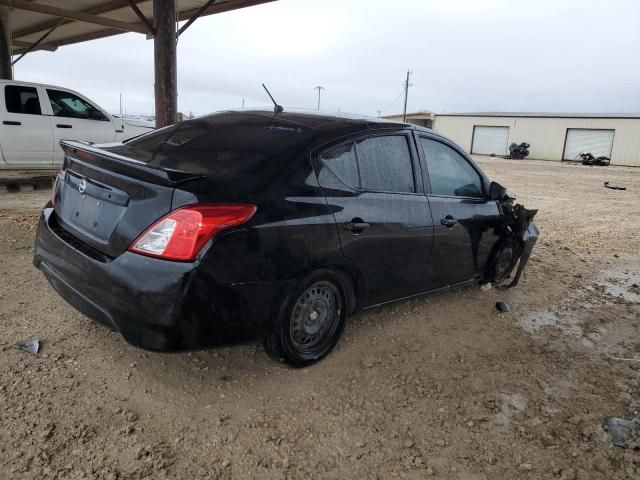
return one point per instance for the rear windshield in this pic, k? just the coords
(214, 142)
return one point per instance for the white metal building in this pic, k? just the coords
(423, 118)
(553, 136)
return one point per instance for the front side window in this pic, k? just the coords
(385, 164)
(449, 172)
(19, 99)
(343, 164)
(68, 105)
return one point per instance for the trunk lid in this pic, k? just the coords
(107, 200)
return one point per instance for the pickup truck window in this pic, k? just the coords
(66, 104)
(20, 99)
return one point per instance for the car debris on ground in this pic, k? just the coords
(625, 433)
(503, 307)
(30, 346)
(615, 186)
(485, 287)
(587, 158)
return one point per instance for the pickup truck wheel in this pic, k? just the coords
(311, 324)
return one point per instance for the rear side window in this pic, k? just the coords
(343, 163)
(385, 164)
(66, 104)
(449, 172)
(19, 99)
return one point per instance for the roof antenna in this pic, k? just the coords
(277, 108)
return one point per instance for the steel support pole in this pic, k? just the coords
(165, 62)
(6, 72)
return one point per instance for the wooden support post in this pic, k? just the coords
(6, 72)
(165, 62)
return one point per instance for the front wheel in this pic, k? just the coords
(310, 325)
(503, 259)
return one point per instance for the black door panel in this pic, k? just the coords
(392, 252)
(387, 235)
(464, 220)
(460, 249)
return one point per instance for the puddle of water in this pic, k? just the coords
(620, 282)
(567, 321)
(536, 320)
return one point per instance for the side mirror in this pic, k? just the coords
(496, 191)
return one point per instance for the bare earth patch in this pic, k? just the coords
(442, 386)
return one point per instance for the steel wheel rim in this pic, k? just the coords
(315, 317)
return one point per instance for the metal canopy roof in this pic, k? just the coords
(63, 22)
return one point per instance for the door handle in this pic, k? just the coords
(356, 226)
(64, 125)
(11, 122)
(448, 221)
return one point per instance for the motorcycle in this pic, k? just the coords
(518, 152)
(588, 159)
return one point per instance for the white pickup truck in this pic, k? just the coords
(34, 118)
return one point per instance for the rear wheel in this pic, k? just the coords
(310, 325)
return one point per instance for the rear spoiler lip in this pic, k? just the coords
(164, 176)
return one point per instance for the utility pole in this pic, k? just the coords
(379, 113)
(319, 88)
(406, 95)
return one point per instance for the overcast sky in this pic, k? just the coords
(466, 55)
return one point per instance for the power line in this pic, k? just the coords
(394, 102)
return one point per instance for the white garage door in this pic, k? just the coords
(596, 142)
(488, 140)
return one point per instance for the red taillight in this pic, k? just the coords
(181, 234)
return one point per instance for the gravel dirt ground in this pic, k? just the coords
(442, 386)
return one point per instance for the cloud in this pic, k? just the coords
(573, 55)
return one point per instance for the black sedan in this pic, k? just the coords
(247, 225)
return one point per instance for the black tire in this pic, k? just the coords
(310, 323)
(503, 259)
